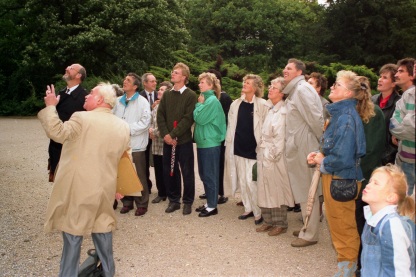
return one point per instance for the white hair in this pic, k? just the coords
(107, 91)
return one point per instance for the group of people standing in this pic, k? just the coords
(265, 150)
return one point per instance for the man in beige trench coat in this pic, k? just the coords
(304, 128)
(85, 185)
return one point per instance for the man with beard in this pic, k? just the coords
(72, 100)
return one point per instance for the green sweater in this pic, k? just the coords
(176, 106)
(210, 123)
(374, 131)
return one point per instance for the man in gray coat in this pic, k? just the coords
(304, 128)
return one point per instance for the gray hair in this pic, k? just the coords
(107, 91)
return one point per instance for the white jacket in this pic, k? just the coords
(137, 114)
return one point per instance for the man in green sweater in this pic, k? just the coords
(175, 119)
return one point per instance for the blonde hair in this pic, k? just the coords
(257, 83)
(107, 91)
(213, 81)
(360, 86)
(398, 182)
(185, 71)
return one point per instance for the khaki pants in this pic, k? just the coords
(341, 222)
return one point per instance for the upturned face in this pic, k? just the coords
(203, 85)
(378, 189)
(128, 84)
(275, 93)
(339, 91)
(248, 87)
(314, 83)
(92, 99)
(403, 77)
(176, 76)
(71, 72)
(290, 72)
(160, 92)
(385, 83)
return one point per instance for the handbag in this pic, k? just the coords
(91, 267)
(343, 190)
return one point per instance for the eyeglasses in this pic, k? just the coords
(338, 84)
(272, 87)
(175, 72)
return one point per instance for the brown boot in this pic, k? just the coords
(51, 176)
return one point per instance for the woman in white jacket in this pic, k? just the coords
(274, 193)
(245, 119)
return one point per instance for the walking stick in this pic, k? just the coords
(172, 157)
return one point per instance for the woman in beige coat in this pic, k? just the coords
(245, 119)
(274, 193)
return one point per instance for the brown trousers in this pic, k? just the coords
(341, 222)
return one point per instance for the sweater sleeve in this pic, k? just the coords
(161, 117)
(402, 123)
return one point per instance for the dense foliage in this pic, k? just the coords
(38, 39)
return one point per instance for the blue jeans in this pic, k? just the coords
(409, 171)
(209, 170)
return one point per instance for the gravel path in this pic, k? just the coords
(157, 244)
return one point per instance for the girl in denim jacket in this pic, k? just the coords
(389, 234)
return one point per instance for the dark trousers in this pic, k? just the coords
(148, 152)
(158, 167)
(71, 251)
(221, 176)
(141, 201)
(184, 158)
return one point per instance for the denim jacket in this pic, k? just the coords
(388, 242)
(343, 142)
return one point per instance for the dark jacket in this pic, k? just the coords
(389, 155)
(68, 104)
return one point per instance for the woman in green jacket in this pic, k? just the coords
(209, 132)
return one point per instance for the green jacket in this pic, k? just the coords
(209, 120)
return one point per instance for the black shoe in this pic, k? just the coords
(222, 199)
(245, 216)
(158, 199)
(289, 209)
(205, 213)
(187, 209)
(115, 204)
(203, 196)
(258, 221)
(200, 208)
(297, 209)
(172, 207)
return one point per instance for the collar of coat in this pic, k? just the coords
(123, 99)
(290, 88)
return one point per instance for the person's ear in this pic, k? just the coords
(392, 198)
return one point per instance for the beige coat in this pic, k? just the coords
(260, 111)
(304, 128)
(273, 187)
(82, 197)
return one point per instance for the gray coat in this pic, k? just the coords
(304, 128)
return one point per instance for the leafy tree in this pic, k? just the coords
(108, 37)
(256, 35)
(371, 32)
